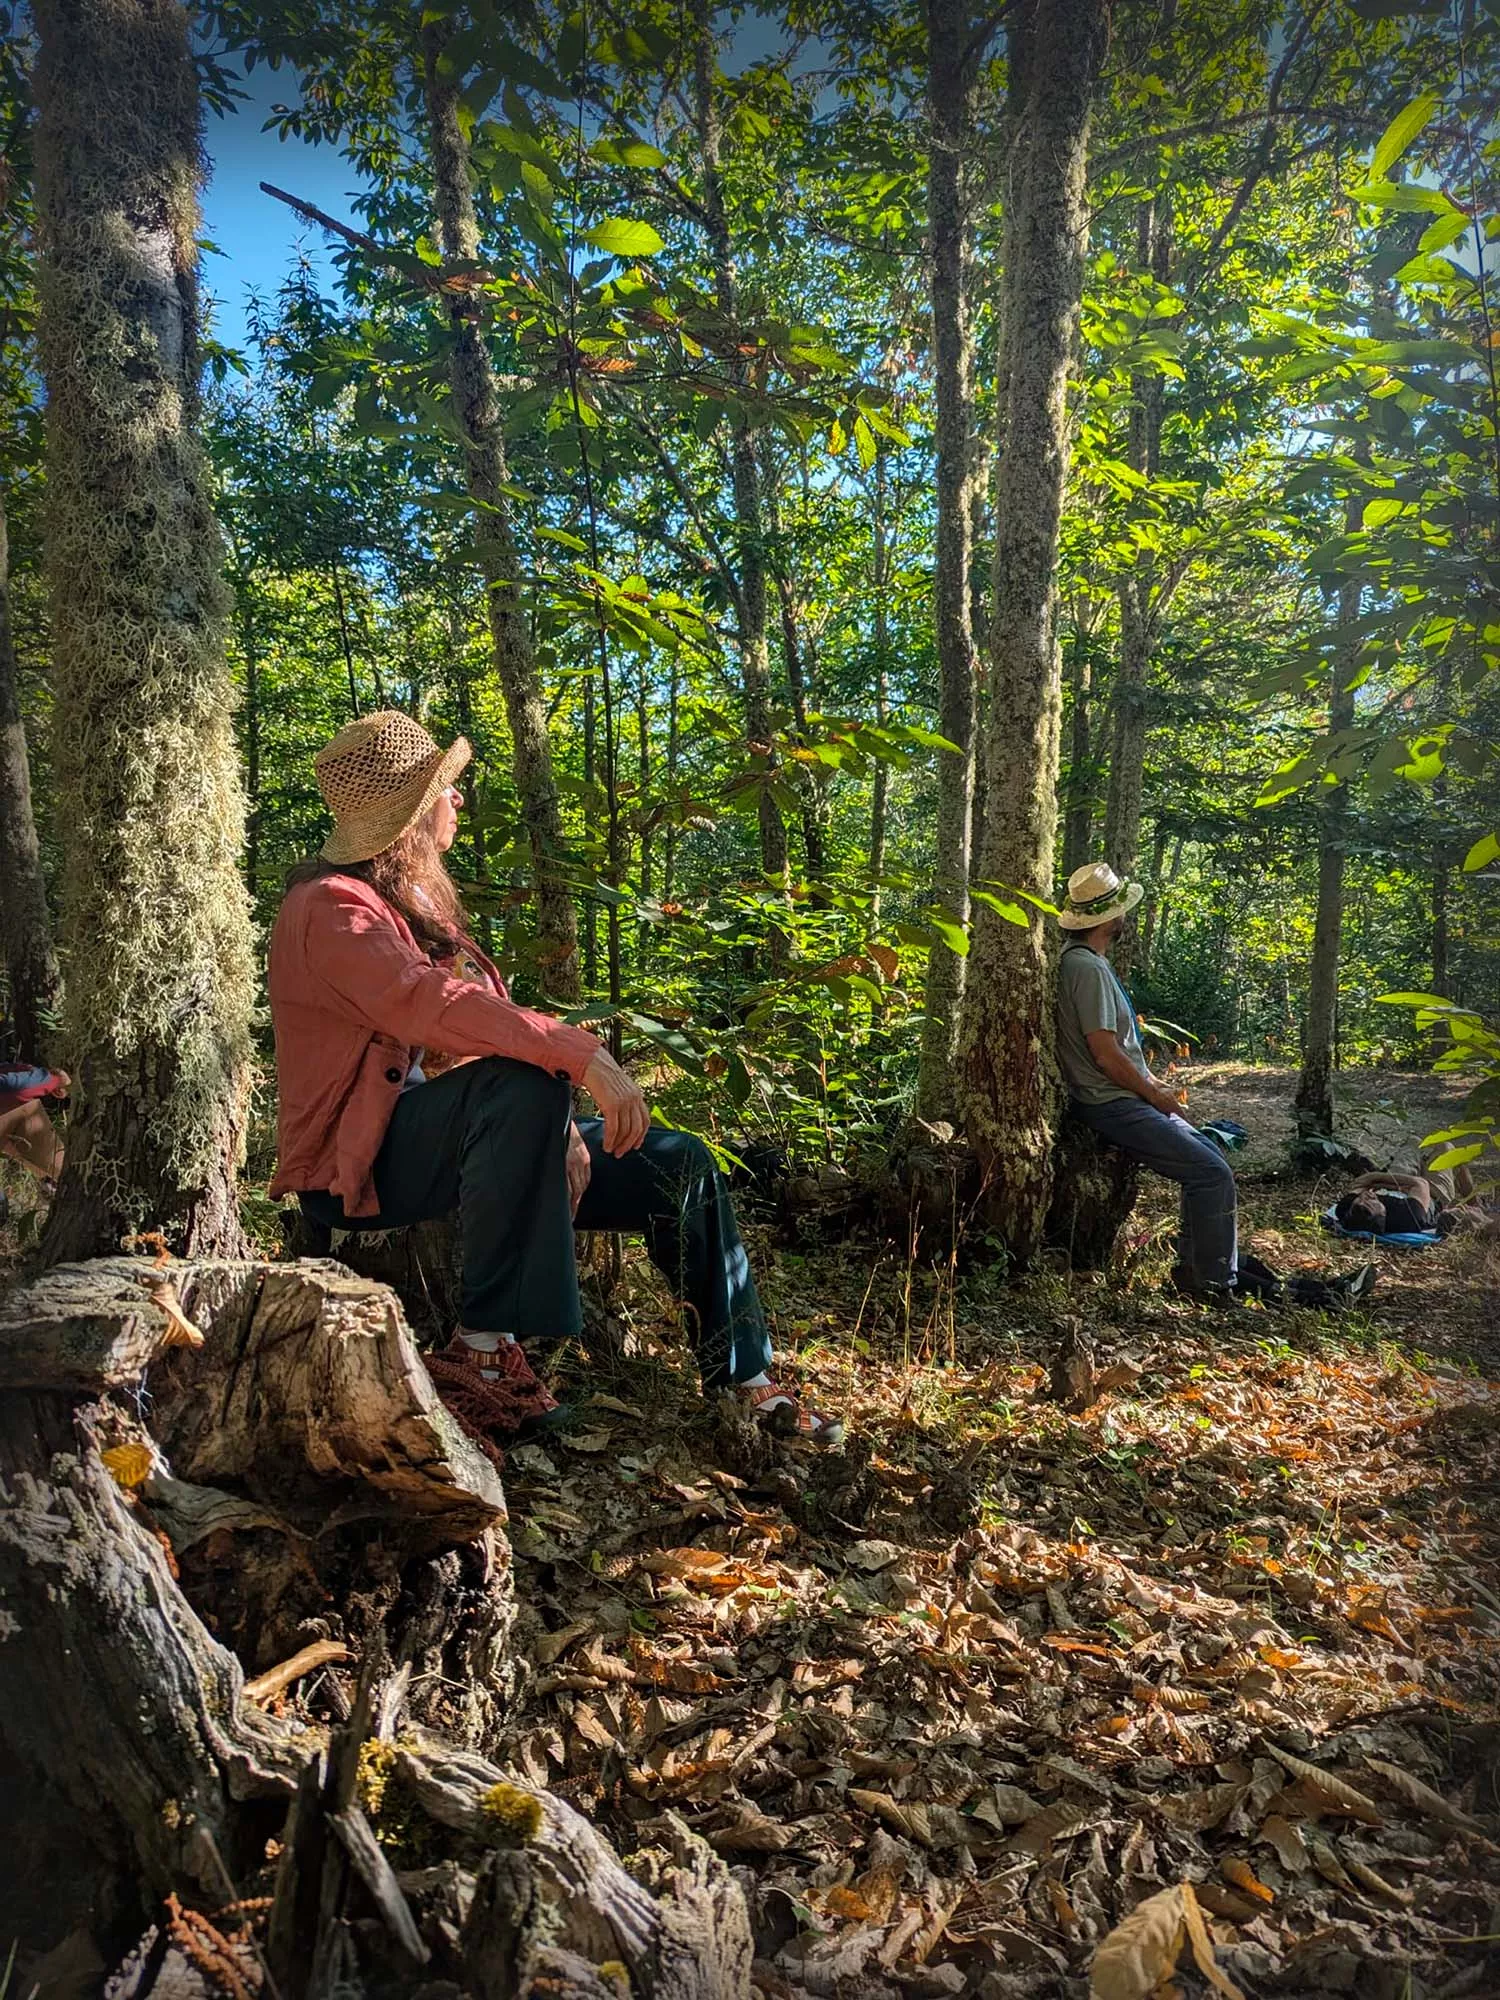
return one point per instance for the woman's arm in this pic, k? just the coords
(353, 948)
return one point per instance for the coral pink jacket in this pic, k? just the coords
(353, 997)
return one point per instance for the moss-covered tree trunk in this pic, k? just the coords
(476, 404)
(745, 472)
(26, 953)
(1056, 49)
(951, 35)
(1314, 1100)
(1078, 821)
(156, 934)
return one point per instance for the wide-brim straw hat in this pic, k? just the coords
(377, 776)
(1095, 894)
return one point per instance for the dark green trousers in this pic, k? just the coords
(490, 1139)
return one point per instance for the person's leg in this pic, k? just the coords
(672, 1193)
(1170, 1147)
(488, 1138)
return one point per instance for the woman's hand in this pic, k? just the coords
(621, 1105)
(580, 1166)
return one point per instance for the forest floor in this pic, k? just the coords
(957, 1697)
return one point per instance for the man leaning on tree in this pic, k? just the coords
(1114, 1093)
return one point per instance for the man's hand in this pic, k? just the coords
(580, 1166)
(621, 1105)
(1164, 1102)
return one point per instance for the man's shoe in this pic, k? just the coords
(1223, 1297)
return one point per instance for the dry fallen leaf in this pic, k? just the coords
(1243, 1876)
(129, 1465)
(1291, 1850)
(1326, 1792)
(181, 1331)
(1411, 1791)
(1142, 1950)
(1203, 1949)
(1053, 1823)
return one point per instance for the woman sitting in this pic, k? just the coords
(370, 970)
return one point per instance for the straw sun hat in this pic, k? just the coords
(1095, 894)
(379, 775)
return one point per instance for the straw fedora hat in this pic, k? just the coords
(379, 775)
(1095, 894)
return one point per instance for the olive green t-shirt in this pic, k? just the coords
(1090, 997)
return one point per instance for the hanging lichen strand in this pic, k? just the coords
(155, 925)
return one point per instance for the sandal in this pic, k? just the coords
(489, 1403)
(790, 1418)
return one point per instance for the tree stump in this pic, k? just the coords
(199, 1454)
(1093, 1191)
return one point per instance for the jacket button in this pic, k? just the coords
(393, 1076)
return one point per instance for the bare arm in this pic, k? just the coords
(1104, 1047)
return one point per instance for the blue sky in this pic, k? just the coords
(259, 236)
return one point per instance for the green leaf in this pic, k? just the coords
(1406, 197)
(1401, 131)
(624, 236)
(1482, 853)
(1012, 912)
(628, 152)
(952, 934)
(1456, 1156)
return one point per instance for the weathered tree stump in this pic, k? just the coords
(1093, 1191)
(297, 1454)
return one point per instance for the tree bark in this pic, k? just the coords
(26, 954)
(1005, 1055)
(950, 38)
(1313, 1104)
(1078, 824)
(751, 606)
(308, 1402)
(155, 914)
(476, 402)
(1140, 606)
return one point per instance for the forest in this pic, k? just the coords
(925, 513)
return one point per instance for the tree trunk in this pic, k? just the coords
(26, 954)
(1078, 825)
(751, 607)
(1006, 1066)
(1313, 1104)
(1440, 925)
(1139, 604)
(880, 581)
(477, 405)
(1150, 906)
(155, 915)
(336, 1469)
(1093, 1192)
(950, 37)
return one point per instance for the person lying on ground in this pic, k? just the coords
(1113, 1092)
(1389, 1203)
(26, 1132)
(374, 981)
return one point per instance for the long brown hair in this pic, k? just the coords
(413, 878)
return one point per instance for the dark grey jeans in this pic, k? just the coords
(1206, 1244)
(490, 1139)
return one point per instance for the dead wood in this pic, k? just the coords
(1093, 1192)
(111, 1688)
